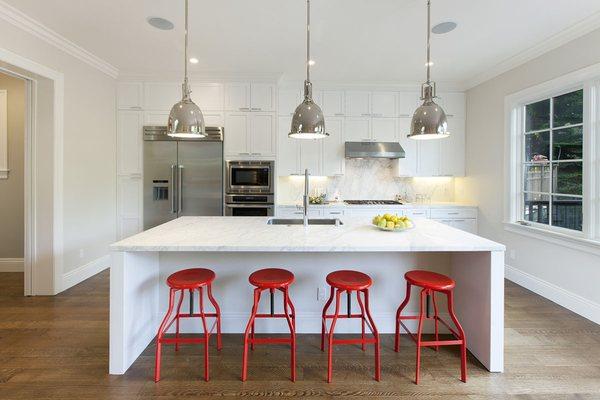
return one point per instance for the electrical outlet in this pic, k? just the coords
(512, 254)
(322, 293)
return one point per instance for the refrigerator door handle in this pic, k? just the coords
(172, 190)
(179, 185)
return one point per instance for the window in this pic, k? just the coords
(552, 161)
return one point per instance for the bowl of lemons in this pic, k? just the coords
(392, 223)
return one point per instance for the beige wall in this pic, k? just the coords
(11, 189)
(575, 271)
(89, 149)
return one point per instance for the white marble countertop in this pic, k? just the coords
(252, 234)
(341, 204)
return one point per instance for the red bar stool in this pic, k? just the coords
(432, 282)
(271, 279)
(191, 280)
(349, 281)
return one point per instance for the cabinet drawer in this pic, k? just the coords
(333, 213)
(417, 213)
(453, 213)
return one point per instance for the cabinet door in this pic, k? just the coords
(212, 118)
(158, 118)
(289, 99)
(262, 97)
(161, 96)
(288, 149)
(384, 129)
(262, 132)
(467, 225)
(310, 156)
(129, 95)
(384, 104)
(333, 148)
(452, 149)
(408, 102)
(236, 134)
(333, 104)
(428, 159)
(129, 142)
(407, 166)
(129, 206)
(237, 97)
(208, 96)
(358, 104)
(357, 129)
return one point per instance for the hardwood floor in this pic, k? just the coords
(57, 348)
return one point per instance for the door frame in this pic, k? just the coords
(31, 287)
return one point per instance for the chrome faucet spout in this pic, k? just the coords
(306, 198)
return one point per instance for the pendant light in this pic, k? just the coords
(429, 121)
(185, 119)
(308, 121)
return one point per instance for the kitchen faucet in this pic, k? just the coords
(305, 199)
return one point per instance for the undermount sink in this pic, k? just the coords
(298, 221)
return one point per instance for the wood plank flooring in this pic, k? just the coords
(57, 348)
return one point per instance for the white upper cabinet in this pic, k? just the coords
(161, 96)
(408, 102)
(384, 104)
(333, 103)
(250, 97)
(358, 104)
(129, 142)
(236, 134)
(453, 104)
(288, 151)
(237, 97)
(407, 166)
(384, 129)
(428, 157)
(262, 134)
(213, 118)
(130, 95)
(249, 134)
(289, 99)
(452, 149)
(208, 96)
(159, 118)
(357, 129)
(333, 148)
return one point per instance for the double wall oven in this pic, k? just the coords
(249, 190)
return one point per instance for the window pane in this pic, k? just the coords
(568, 144)
(537, 116)
(537, 146)
(536, 208)
(568, 109)
(567, 212)
(567, 177)
(537, 178)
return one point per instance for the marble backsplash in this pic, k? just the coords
(367, 179)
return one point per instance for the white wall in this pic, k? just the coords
(565, 275)
(89, 148)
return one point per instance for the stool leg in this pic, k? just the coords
(286, 302)
(177, 318)
(419, 333)
(375, 334)
(463, 346)
(436, 317)
(252, 337)
(218, 312)
(257, 292)
(362, 319)
(398, 313)
(160, 334)
(323, 320)
(330, 335)
(206, 334)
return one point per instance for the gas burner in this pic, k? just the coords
(372, 202)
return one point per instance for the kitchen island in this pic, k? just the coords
(235, 247)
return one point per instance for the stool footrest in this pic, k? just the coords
(435, 342)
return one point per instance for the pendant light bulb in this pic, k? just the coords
(429, 120)
(185, 119)
(308, 121)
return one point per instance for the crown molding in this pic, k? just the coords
(30, 25)
(581, 28)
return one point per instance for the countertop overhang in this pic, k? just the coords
(252, 234)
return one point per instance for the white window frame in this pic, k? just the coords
(589, 238)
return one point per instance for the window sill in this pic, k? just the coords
(572, 242)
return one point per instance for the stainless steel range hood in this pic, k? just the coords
(374, 150)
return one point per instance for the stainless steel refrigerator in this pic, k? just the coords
(181, 176)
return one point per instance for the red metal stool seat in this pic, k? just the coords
(349, 281)
(191, 280)
(431, 282)
(271, 279)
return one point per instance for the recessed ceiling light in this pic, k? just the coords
(160, 23)
(443, 27)
(194, 60)
(311, 62)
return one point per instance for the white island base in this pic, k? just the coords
(234, 247)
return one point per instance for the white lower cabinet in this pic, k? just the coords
(129, 205)
(294, 212)
(467, 225)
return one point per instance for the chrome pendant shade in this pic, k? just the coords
(185, 119)
(429, 120)
(308, 121)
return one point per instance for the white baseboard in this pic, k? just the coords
(574, 302)
(84, 272)
(11, 265)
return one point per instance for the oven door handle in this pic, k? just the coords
(269, 206)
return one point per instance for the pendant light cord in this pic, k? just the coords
(428, 41)
(308, 40)
(186, 90)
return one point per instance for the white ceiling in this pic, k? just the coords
(362, 41)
